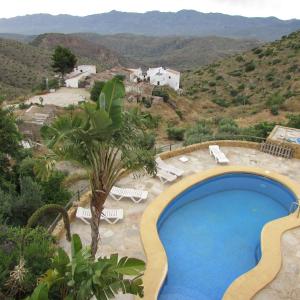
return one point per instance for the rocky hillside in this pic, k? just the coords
(153, 23)
(176, 52)
(87, 51)
(22, 66)
(258, 85)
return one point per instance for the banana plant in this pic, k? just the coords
(80, 277)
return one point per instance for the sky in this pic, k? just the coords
(283, 9)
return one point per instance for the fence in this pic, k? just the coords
(169, 147)
(75, 197)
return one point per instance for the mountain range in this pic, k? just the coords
(154, 23)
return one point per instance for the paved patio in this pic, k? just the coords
(124, 238)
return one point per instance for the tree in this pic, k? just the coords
(63, 60)
(102, 140)
(80, 277)
(96, 90)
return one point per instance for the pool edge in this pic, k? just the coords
(248, 284)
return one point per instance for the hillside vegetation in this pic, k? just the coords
(258, 85)
(177, 52)
(22, 66)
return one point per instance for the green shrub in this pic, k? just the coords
(257, 50)
(176, 133)
(38, 251)
(236, 73)
(250, 66)
(275, 100)
(219, 77)
(262, 129)
(239, 58)
(96, 90)
(293, 121)
(179, 113)
(276, 61)
(198, 133)
(270, 76)
(158, 92)
(241, 100)
(221, 102)
(268, 52)
(228, 126)
(241, 87)
(288, 77)
(233, 93)
(274, 110)
(212, 83)
(24, 105)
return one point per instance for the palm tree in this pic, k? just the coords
(102, 139)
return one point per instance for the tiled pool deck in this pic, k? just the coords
(124, 237)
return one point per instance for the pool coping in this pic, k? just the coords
(248, 284)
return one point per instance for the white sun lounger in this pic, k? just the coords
(168, 168)
(165, 176)
(110, 215)
(135, 195)
(219, 156)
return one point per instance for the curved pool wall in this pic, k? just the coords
(249, 283)
(211, 232)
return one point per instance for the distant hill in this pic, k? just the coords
(22, 66)
(88, 52)
(177, 52)
(154, 23)
(258, 85)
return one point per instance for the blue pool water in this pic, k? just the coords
(211, 233)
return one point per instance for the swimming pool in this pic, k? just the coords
(211, 232)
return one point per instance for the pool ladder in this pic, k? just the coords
(295, 206)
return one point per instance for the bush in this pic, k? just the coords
(275, 100)
(293, 121)
(24, 105)
(221, 102)
(38, 251)
(274, 110)
(212, 83)
(200, 132)
(179, 113)
(236, 73)
(228, 126)
(249, 67)
(239, 58)
(161, 93)
(262, 129)
(176, 133)
(241, 100)
(96, 90)
(233, 93)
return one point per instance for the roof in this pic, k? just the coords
(173, 71)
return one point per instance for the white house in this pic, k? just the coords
(157, 76)
(135, 74)
(80, 72)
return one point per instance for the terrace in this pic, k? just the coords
(124, 237)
